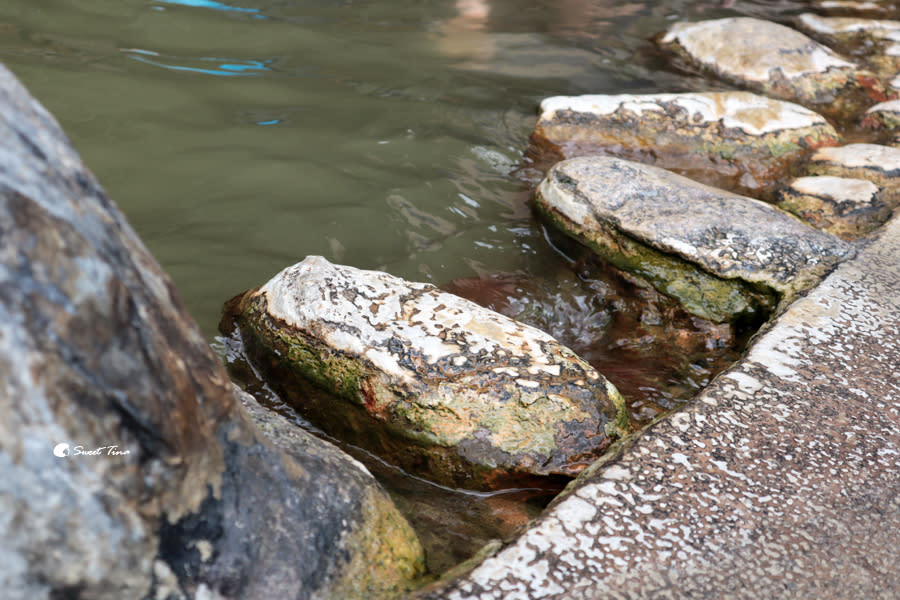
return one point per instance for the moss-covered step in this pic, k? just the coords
(848, 208)
(872, 162)
(875, 41)
(777, 61)
(431, 382)
(724, 257)
(734, 140)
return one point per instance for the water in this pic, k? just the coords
(241, 136)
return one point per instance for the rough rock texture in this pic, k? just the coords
(884, 116)
(872, 162)
(97, 350)
(781, 480)
(433, 382)
(723, 256)
(345, 497)
(848, 208)
(777, 61)
(876, 41)
(734, 140)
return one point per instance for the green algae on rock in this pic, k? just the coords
(872, 162)
(378, 554)
(777, 61)
(433, 383)
(724, 257)
(734, 140)
(847, 208)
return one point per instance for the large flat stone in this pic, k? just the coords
(734, 140)
(780, 480)
(777, 61)
(723, 256)
(433, 382)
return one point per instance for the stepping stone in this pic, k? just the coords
(884, 116)
(735, 140)
(724, 257)
(777, 61)
(431, 382)
(872, 162)
(878, 40)
(857, 8)
(848, 208)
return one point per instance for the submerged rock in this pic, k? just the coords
(127, 466)
(435, 384)
(723, 256)
(735, 140)
(777, 61)
(848, 208)
(872, 162)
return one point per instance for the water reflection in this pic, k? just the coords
(209, 4)
(225, 67)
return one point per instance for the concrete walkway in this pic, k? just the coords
(781, 480)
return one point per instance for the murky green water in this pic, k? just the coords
(239, 137)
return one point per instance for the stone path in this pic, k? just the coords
(780, 480)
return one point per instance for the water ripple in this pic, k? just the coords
(223, 67)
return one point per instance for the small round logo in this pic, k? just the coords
(61, 450)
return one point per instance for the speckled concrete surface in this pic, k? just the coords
(781, 480)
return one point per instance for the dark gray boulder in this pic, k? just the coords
(128, 468)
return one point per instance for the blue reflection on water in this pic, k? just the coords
(247, 68)
(209, 4)
(272, 122)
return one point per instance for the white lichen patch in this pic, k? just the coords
(838, 25)
(868, 156)
(889, 107)
(751, 113)
(363, 312)
(838, 189)
(756, 49)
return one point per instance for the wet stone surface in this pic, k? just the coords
(655, 353)
(848, 208)
(861, 9)
(733, 140)
(434, 383)
(723, 256)
(885, 118)
(780, 480)
(871, 162)
(777, 61)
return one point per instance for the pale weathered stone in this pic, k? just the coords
(858, 8)
(180, 496)
(877, 41)
(872, 162)
(435, 383)
(777, 61)
(848, 208)
(780, 480)
(723, 256)
(884, 116)
(734, 140)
